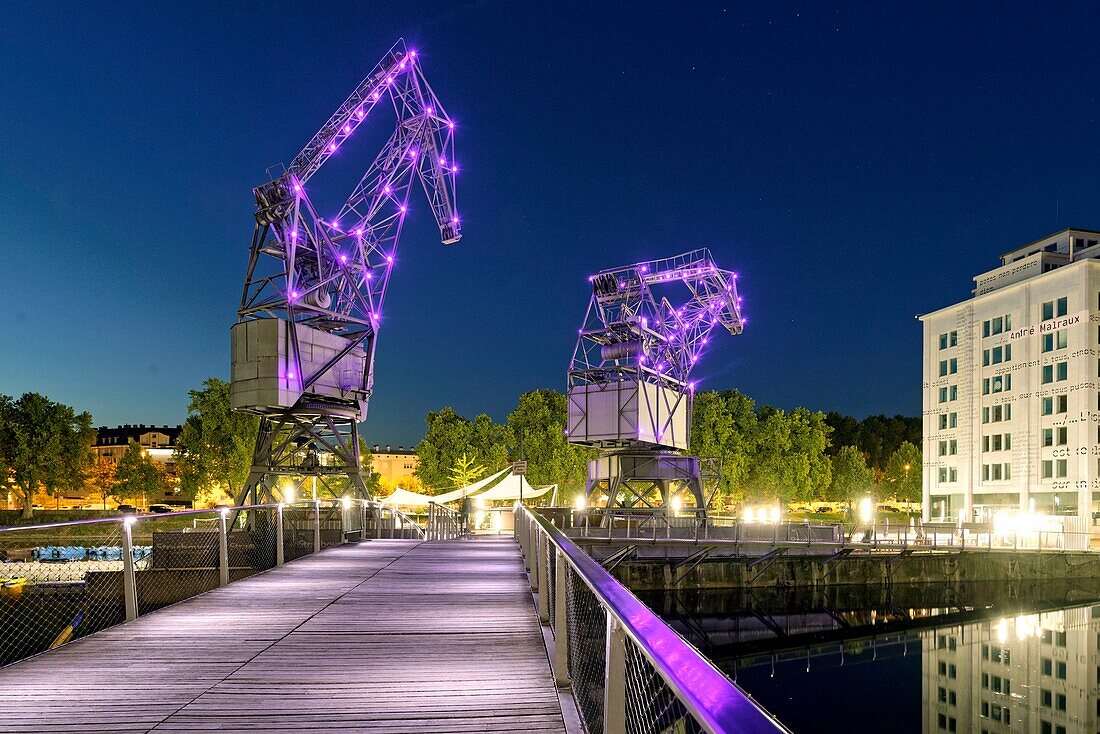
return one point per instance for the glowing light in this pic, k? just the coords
(288, 494)
(1002, 630)
(344, 258)
(431, 111)
(370, 276)
(866, 509)
(442, 161)
(294, 294)
(297, 187)
(404, 209)
(579, 503)
(389, 258)
(412, 154)
(225, 512)
(290, 375)
(129, 520)
(332, 147)
(346, 502)
(359, 113)
(347, 128)
(451, 125)
(294, 235)
(676, 505)
(358, 232)
(413, 53)
(386, 189)
(748, 515)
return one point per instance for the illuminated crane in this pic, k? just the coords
(303, 345)
(630, 388)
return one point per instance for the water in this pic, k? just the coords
(991, 657)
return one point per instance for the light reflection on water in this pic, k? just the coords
(962, 658)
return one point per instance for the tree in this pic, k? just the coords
(903, 471)
(790, 461)
(101, 479)
(537, 427)
(851, 477)
(724, 427)
(451, 436)
(371, 478)
(43, 446)
(135, 475)
(216, 444)
(446, 439)
(465, 471)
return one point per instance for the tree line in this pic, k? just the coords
(765, 453)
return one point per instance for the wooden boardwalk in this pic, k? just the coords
(384, 636)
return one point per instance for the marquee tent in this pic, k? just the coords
(509, 489)
(406, 498)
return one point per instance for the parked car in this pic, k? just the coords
(127, 509)
(161, 509)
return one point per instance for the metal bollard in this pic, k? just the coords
(129, 578)
(279, 559)
(223, 549)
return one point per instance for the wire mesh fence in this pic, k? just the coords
(55, 586)
(651, 706)
(63, 581)
(587, 630)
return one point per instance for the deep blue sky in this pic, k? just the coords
(857, 165)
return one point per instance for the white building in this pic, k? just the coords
(1010, 386)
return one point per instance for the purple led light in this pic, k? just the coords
(358, 232)
(297, 187)
(370, 276)
(431, 111)
(412, 153)
(290, 375)
(413, 53)
(404, 209)
(343, 258)
(442, 161)
(332, 147)
(347, 128)
(451, 125)
(389, 258)
(293, 294)
(359, 113)
(386, 189)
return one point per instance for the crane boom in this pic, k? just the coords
(311, 307)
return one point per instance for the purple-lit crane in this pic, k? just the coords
(303, 345)
(630, 389)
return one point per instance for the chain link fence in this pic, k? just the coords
(587, 629)
(63, 581)
(651, 706)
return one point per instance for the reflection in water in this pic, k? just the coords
(976, 658)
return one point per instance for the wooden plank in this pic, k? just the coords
(383, 636)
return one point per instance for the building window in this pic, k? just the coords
(1061, 436)
(996, 325)
(952, 420)
(943, 368)
(943, 421)
(943, 448)
(1055, 372)
(954, 392)
(1055, 340)
(943, 393)
(1055, 308)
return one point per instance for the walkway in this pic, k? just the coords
(384, 636)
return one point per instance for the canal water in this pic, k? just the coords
(990, 657)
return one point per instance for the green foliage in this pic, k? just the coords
(43, 445)
(877, 436)
(537, 426)
(903, 472)
(451, 436)
(724, 427)
(852, 478)
(135, 475)
(371, 478)
(466, 471)
(216, 444)
(790, 461)
(102, 479)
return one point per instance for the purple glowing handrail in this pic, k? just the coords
(716, 702)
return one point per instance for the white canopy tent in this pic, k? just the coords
(509, 489)
(406, 498)
(470, 489)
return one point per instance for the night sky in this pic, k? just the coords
(857, 166)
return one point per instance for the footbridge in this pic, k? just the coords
(337, 617)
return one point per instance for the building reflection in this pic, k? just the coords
(1027, 673)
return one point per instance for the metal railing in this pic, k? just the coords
(627, 669)
(444, 523)
(62, 581)
(634, 525)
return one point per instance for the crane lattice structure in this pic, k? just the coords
(630, 390)
(307, 328)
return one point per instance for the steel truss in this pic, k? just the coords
(636, 333)
(331, 275)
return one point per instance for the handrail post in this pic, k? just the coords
(377, 511)
(223, 549)
(317, 526)
(129, 578)
(279, 559)
(534, 575)
(614, 682)
(431, 521)
(561, 622)
(544, 582)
